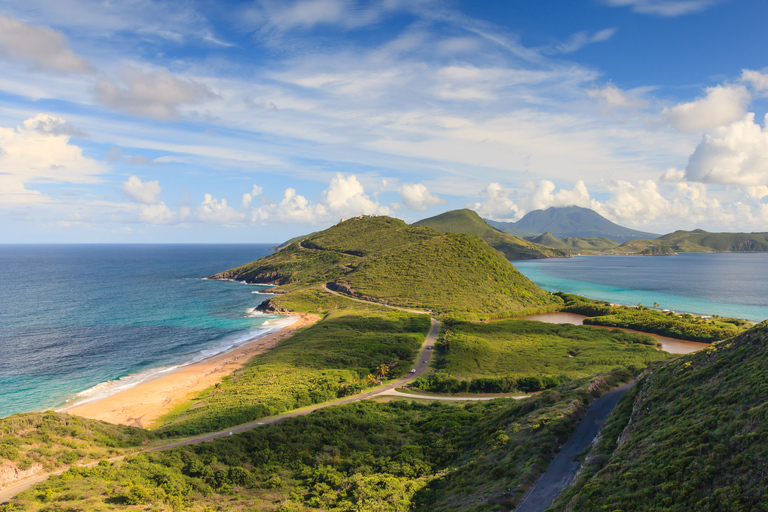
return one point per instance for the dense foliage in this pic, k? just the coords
(683, 327)
(456, 275)
(395, 456)
(48, 441)
(325, 361)
(696, 438)
(383, 259)
(468, 222)
(581, 245)
(523, 355)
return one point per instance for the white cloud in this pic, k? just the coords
(218, 212)
(45, 47)
(736, 154)
(497, 204)
(416, 196)
(612, 97)
(642, 200)
(758, 81)
(273, 15)
(39, 151)
(723, 104)
(581, 39)
(292, 208)
(669, 8)
(156, 94)
(147, 192)
(543, 196)
(673, 175)
(346, 197)
(248, 197)
(757, 192)
(161, 214)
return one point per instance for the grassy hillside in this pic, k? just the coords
(573, 221)
(368, 456)
(468, 222)
(575, 244)
(384, 259)
(691, 437)
(325, 361)
(698, 241)
(523, 355)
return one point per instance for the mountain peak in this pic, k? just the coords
(570, 221)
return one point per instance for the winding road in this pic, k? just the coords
(539, 497)
(425, 354)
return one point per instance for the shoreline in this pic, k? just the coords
(140, 405)
(671, 345)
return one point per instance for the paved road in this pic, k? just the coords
(562, 468)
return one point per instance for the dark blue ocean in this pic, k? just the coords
(88, 320)
(725, 284)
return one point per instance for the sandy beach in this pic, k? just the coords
(141, 405)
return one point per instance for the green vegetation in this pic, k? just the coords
(49, 441)
(573, 244)
(696, 439)
(680, 326)
(698, 241)
(523, 355)
(455, 275)
(385, 260)
(468, 222)
(396, 456)
(325, 361)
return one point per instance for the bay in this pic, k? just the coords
(82, 321)
(725, 284)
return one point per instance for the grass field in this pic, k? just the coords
(524, 355)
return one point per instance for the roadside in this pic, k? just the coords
(562, 469)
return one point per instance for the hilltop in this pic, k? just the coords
(569, 221)
(690, 436)
(570, 243)
(512, 247)
(697, 240)
(385, 260)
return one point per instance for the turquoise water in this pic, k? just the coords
(725, 284)
(82, 321)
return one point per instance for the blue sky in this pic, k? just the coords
(143, 121)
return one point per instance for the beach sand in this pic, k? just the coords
(141, 405)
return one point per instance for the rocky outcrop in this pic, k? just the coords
(271, 308)
(9, 473)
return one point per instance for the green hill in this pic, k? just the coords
(575, 244)
(698, 241)
(384, 259)
(513, 247)
(573, 221)
(690, 436)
